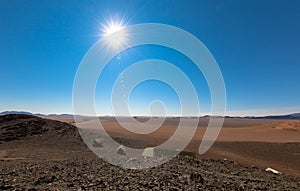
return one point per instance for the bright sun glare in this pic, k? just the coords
(112, 27)
(115, 34)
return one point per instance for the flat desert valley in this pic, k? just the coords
(40, 153)
(260, 142)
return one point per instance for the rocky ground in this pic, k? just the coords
(53, 160)
(183, 173)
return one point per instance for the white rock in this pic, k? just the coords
(148, 152)
(272, 170)
(98, 142)
(121, 150)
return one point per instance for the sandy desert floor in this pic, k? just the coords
(259, 142)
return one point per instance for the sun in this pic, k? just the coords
(112, 27)
(114, 34)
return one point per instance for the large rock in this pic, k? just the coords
(121, 150)
(148, 152)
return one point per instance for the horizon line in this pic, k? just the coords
(158, 116)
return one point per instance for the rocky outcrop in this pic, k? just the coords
(19, 126)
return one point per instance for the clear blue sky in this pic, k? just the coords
(255, 42)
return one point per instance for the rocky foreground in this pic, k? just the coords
(182, 173)
(52, 160)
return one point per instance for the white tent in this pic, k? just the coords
(121, 150)
(148, 152)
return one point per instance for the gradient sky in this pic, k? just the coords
(256, 44)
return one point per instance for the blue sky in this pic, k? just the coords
(255, 43)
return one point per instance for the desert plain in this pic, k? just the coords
(47, 153)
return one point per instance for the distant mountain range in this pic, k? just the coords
(35, 114)
(296, 115)
(288, 116)
(16, 112)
